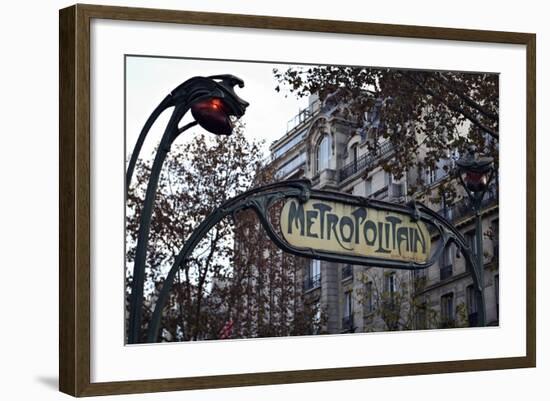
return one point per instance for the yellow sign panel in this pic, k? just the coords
(354, 230)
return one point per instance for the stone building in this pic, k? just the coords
(328, 145)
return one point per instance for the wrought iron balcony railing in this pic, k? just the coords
(312, 282)
(463, 207)
(366, 161)
(303, 116)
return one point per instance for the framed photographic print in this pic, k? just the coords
(250, 200)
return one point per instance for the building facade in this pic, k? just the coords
(338, 151)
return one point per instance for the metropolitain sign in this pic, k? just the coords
(345, 229)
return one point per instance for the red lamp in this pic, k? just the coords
(212, 114)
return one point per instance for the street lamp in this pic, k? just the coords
(475, 173)
(213, 103)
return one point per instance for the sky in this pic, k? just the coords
(149, 80)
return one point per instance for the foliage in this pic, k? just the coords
(398, 309)
(236, 281)
(265, 296)
(196, 178)
(428, 116)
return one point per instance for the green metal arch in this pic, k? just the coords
(261, 199)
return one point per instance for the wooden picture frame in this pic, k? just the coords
(75, 200)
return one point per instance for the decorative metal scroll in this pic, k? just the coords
(366, 231)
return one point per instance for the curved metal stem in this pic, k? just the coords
(230, 207)
(166, 103)
(138, 278)
(187, 126)
(193, 90)
(198, 234)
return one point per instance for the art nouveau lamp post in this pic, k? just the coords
(212, 101)
(475, 173)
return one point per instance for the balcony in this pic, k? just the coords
(347, 272)
(366, 161)
(303, 116)
(462, 208)
(313, 282)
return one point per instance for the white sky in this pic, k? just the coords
(149, 80)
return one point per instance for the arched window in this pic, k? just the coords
(323, 153)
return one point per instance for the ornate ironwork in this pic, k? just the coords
(261, 200)
(313, 282)
(366, 161)
(482, 169)
(192, 92)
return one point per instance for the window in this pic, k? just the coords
(397, 187)
(347, 304)
(313, 278)
(368, 187)
(347, 319)
(471, 300)
(446, 207)
(446, 263)
(387, 178)
(289, 145)
(369, 297)
(439, 171)
(471, 241)
(291, 165)
(354, 155)
(379, 184)
(447, 310)
(390, 291)
(315, 268)
(347, 271)
(323, 153)
(430, 175)
(391, 284)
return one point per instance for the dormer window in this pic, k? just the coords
(324, 153)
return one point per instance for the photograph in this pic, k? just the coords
(270, 199)
(267, 199)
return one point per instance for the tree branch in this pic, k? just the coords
(468, 100)
(454, 108)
